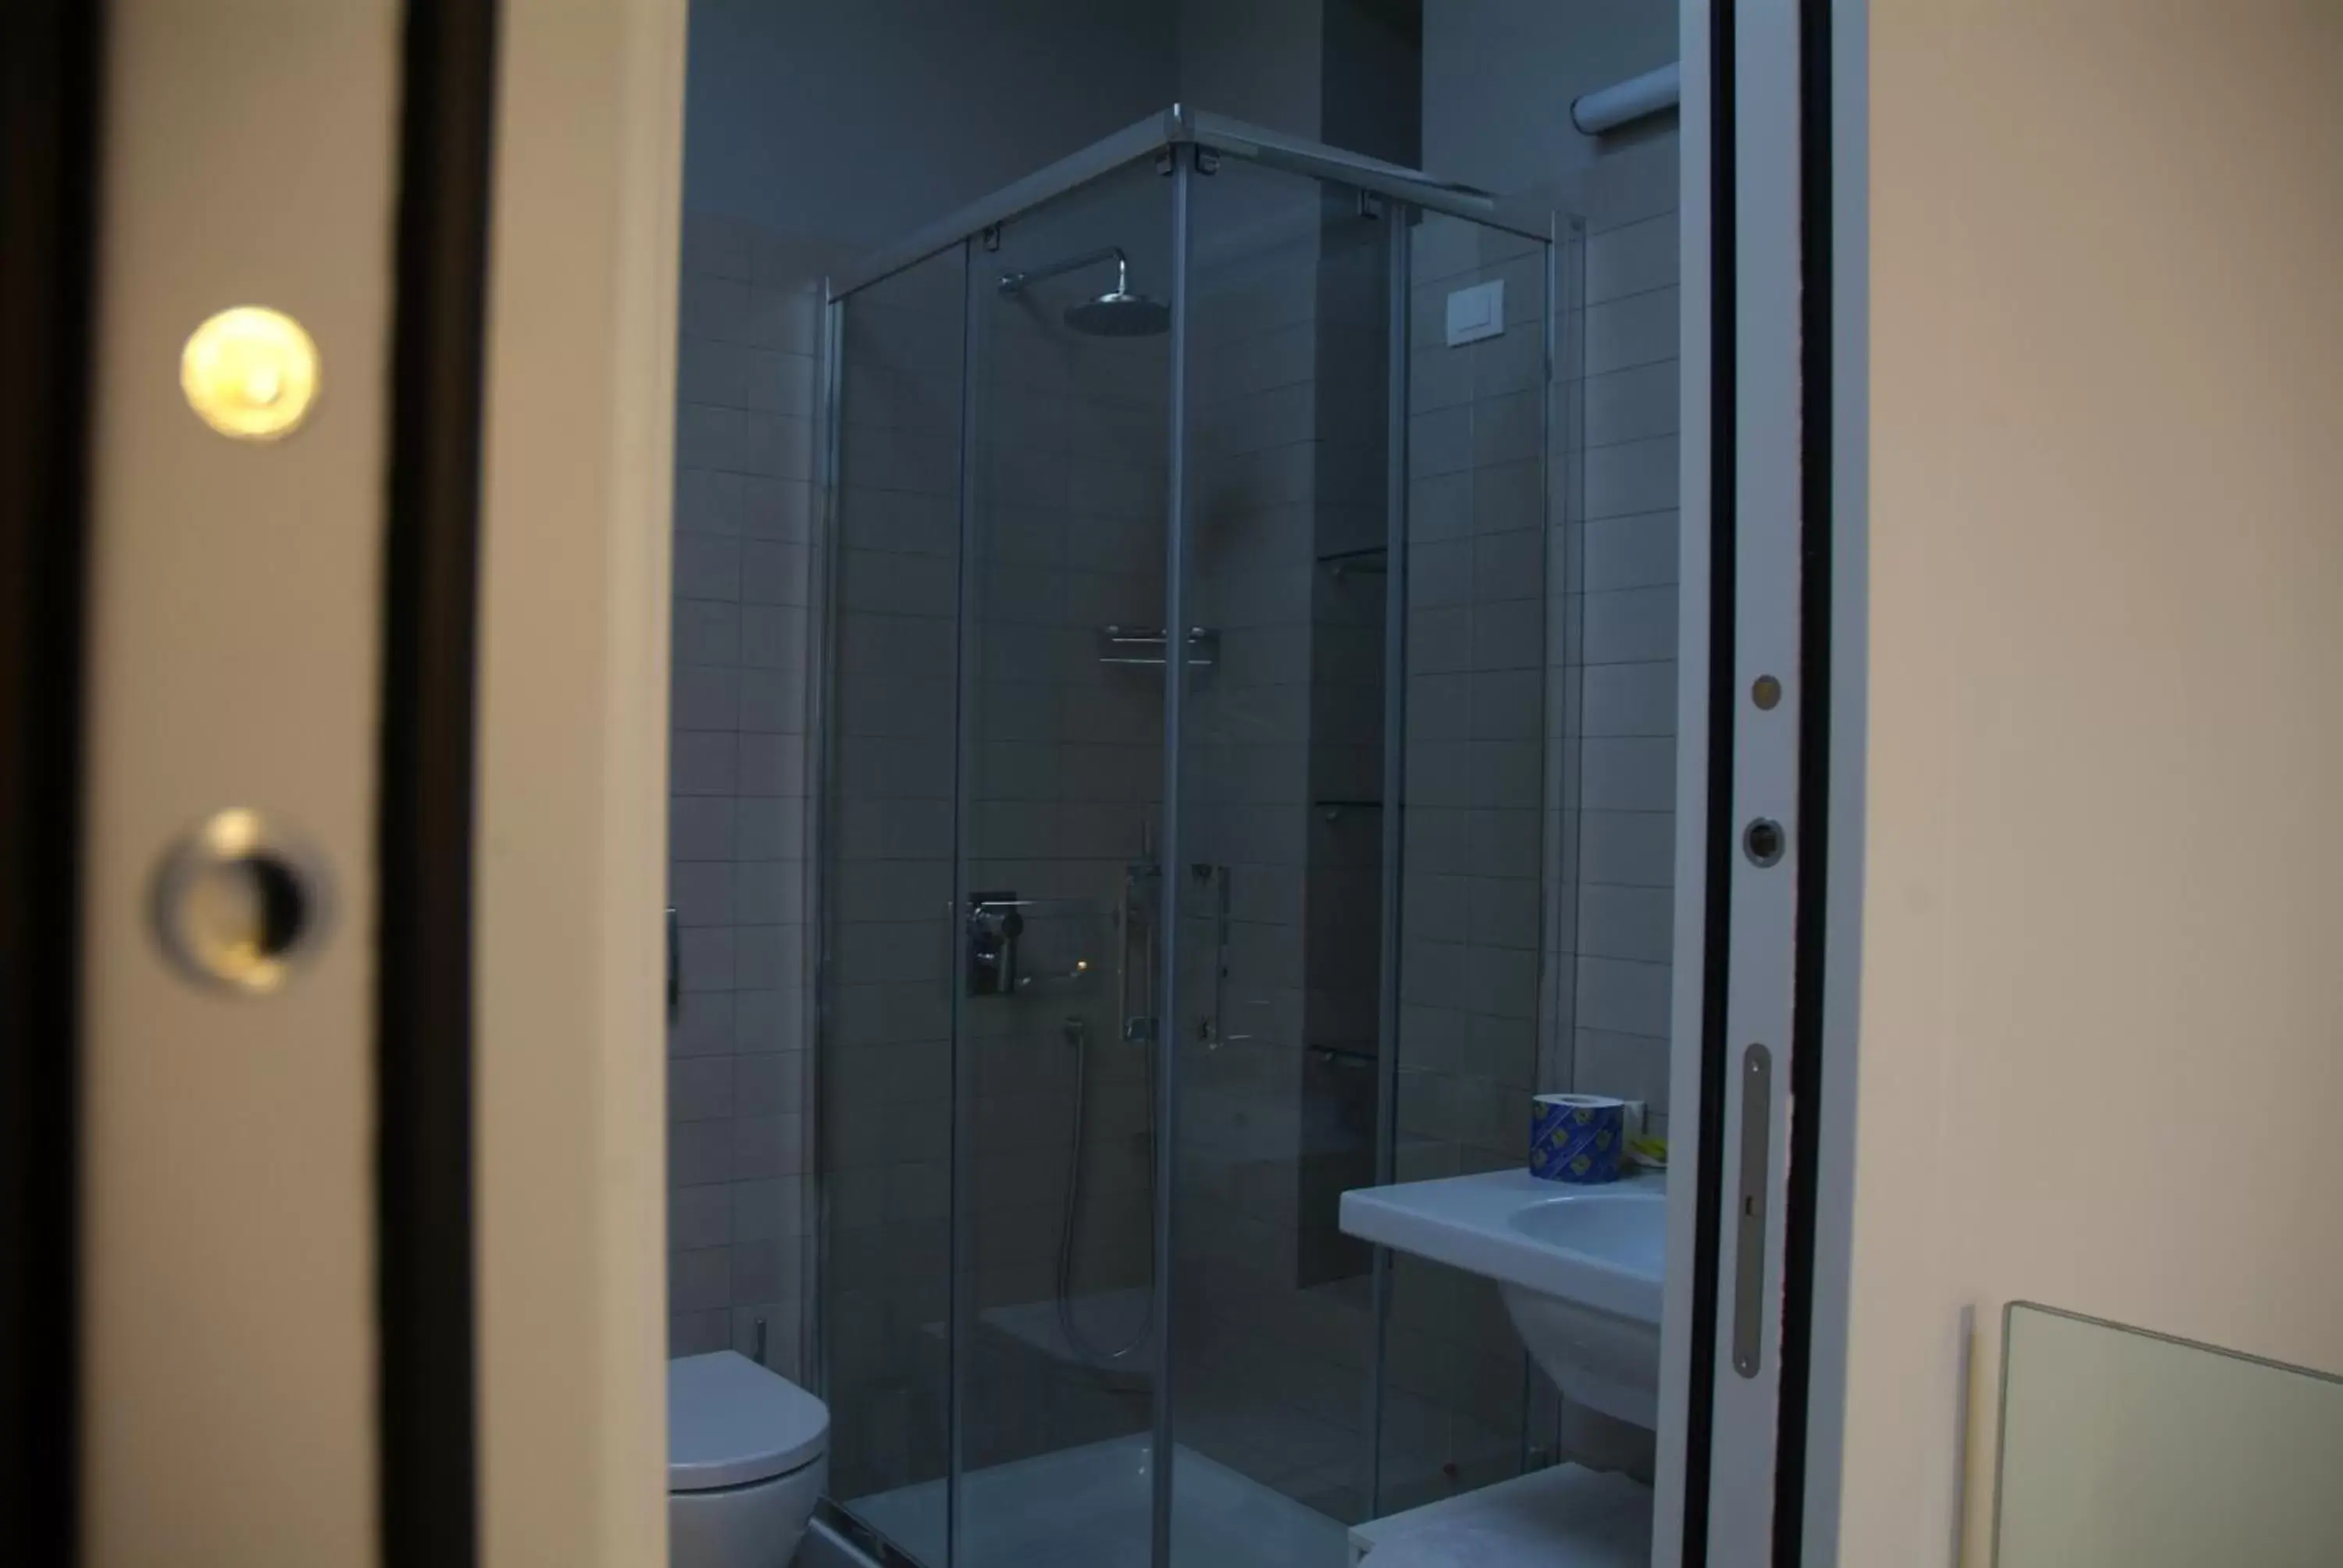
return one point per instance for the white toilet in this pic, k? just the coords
(748, 1455)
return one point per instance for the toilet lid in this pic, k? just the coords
(730, 1422)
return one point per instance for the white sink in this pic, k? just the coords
(1580, 1269)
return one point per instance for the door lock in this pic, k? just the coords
(239, 904)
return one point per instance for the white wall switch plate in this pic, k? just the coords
(1476, 312)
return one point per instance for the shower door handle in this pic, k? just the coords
(1749, 1244)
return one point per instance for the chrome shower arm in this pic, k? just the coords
(1013, 282)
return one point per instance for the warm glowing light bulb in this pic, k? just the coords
(250, 372)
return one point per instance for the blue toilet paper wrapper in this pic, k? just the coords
(1577, 1137)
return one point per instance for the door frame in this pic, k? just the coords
(1836, 224)
(496, 1387)
(568, 1195)
(424, 829)
(1747, 1384)
(50, 108)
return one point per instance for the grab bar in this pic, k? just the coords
(1141, 899)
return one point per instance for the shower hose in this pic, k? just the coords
(1078, 1035)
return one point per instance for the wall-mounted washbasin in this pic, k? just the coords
(1580, 1269)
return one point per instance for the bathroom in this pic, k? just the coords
(1303, 782)
(941, 828)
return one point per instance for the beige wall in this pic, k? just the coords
(2100, 929)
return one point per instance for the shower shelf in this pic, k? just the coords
(1132, 645)
(1373, 561)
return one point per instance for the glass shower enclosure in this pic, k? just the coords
(1183, 635)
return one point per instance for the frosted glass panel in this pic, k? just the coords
(2123, 1448)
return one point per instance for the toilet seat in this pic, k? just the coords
(730, 1423)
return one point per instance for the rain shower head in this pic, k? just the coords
(1117, 313)
(1120, 314)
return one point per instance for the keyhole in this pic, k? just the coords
(1763, 840)
(247, 912)
(237, 908)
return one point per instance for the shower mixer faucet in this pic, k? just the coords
(995, 921)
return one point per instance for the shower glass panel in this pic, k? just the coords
(1156, 467)
(884, 1132)
(1481, 924)
(1282, 781)
(1062, 724)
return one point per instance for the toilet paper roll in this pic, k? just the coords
(1577, 1137)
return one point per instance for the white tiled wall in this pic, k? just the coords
(1482, 762)
(737, 1058)
(1610, 619)
(1619, 638)
(1476, 740)
(1541, 755)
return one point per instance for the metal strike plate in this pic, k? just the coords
(1749, 1212)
